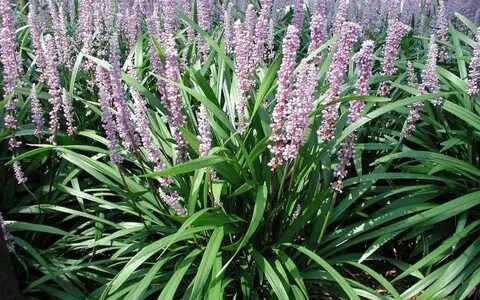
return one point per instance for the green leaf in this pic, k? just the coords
(206, 264)
(434, 255)
(387, 285)
(210, 41)
(173, 283)
(272, 277)
(189, 166)
(467, 22)
(335, 275)
(258, 210)
(456, 165)
(463, 114)
(24, 226)
(148, 252)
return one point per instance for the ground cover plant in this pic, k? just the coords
(268, 149)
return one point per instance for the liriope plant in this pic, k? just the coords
(197, 170)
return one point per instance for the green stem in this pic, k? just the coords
(161, 204)
(34, 197)
(295, 165)
(210, 186)
(331, 206)
(282, 183)
(133, 201)
(470, 133)
(21, 3)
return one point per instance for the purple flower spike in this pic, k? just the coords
(370, 14)
(204, 133)
(413, 117)
(6, 235)
(173, 201)
(169, 15)
(271, 38)
(204, 10)
(146, 135)
(8, 55)
(474, 69)
(131, 13)
(36, 26)
(62, 44)
(364, 59)
(410, 9)
(228, 28)
(393, 10)
(86, 27)
(340, 16)
(411, 75)
(298, 109)
(174, 100)
(17, 170)
(187, 8)
(157, 66)
(85, 19)
(298, 14)
(261, 30)
(37, 112)
(430, 84)
(291, 43)
(442, 29)
(343, 48)
(143, 128)
(68, 113)
(108, 121)
(53, 84)
(318, 30)
(244, 67)
(249, 28)
(11, 68)
(396, 31)
(124, 117)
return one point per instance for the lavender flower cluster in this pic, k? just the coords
(204, 133)
(7, 236)
(350, 33)
(430, 84)
(11, 69)
(125, 117)
(474, 69)
(442, 29)
(290, 45)
(318, 29)
(396, 31)
(364, 60)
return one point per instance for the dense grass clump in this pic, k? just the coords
(240, 149)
